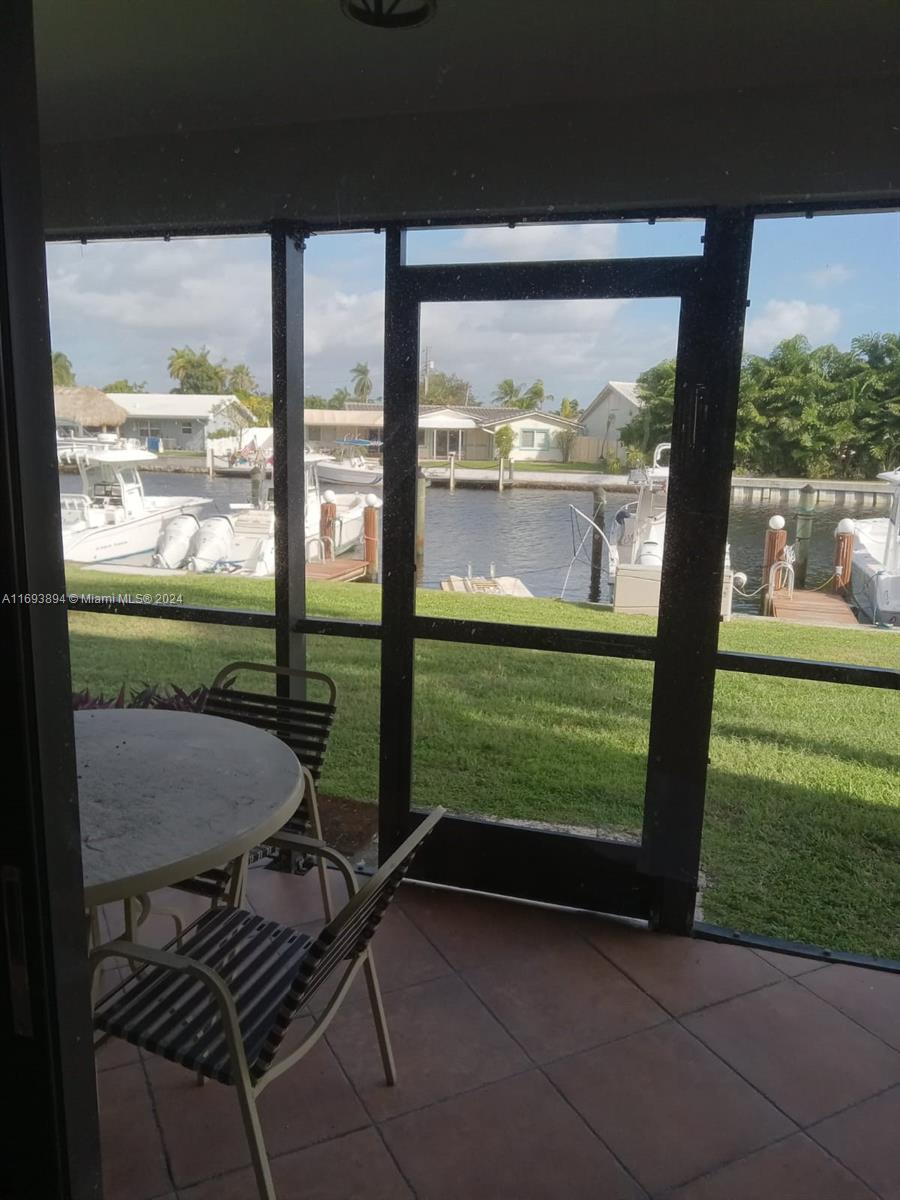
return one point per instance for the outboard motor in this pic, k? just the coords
(174, 541)
(261, 560)
(212, 543)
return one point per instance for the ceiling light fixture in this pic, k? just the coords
(390, 14)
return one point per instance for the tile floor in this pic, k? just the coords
(541, 1055)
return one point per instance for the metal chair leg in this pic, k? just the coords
(253, 1129)
(312, 804)
(381, 1028)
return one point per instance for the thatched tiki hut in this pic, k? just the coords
(90, 407)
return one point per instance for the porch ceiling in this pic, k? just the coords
(172, 115)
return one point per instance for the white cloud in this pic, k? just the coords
(780, 319)
(117, 309)
(526, 242)
(831, 275)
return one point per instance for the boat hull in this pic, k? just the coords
(139, 535)
(360, 478)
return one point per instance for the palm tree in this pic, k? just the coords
(508, 393)
(362, 382)
(535, 396)
(180, 363)
(63, 373)
(240, 379)
(340, 398)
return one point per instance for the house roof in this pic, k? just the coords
(627, 390)
(172, 404)
(484, 418)
(431, 416)
(88, 406)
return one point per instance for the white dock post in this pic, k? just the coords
(452, 471)
(500, 476)
(209, 461)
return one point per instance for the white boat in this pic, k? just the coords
(875, 571)
(350, 467)
(636, 543)
(243, 542)
(111, 517)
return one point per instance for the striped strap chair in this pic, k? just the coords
(305, 726)
(223, 1003)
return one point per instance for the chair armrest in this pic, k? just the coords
(295, 841)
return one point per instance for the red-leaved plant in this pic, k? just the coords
(153, 695)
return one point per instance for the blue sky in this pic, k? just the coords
(118, 308)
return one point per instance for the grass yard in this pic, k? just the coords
(802, 834)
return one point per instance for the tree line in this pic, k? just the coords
(804, 411)
(194, 372)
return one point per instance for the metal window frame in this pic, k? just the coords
(656, 879)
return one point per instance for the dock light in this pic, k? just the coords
(372, 501)
(845, 525)
(329, 496)
(776, 522)
(739, 579)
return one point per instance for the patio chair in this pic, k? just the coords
(305, 726)
(222, 1005)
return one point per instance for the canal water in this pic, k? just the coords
(530, 533)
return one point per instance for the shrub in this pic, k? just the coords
(151, 695)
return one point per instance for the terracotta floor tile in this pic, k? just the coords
(803, 1054)
(795, 1169)
(292, 899)
(568, 998)
(682, 974)
(866, 1138)
(134, 1166)
(513, 1140)
(355, 1167)
(403, 957)
(666, 1106)
(791, 964)
(445, 1042)
(203, 1131)
(870, 997)
(474, 931)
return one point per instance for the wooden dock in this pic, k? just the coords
(338, 570)
(812, 608)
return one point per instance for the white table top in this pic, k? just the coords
(166, 795)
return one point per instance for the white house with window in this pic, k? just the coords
(466, 431)
(167, 421)
(609, 412)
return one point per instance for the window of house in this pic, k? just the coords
(149, 429)
(541, 439)
(526, 439)
(187, 427)
(421, 437)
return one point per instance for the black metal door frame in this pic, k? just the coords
(50, 1118)
(656, 880)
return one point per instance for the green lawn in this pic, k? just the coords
(802, 836)
(523, 465)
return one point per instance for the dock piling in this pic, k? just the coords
(599, 517)
(804, 532)
(843, 554)
(500, 463)
(421, 485)
(370, 540)
(773, 550)
(452, 471)
(327, 517)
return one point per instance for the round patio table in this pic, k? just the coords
(165, 795)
